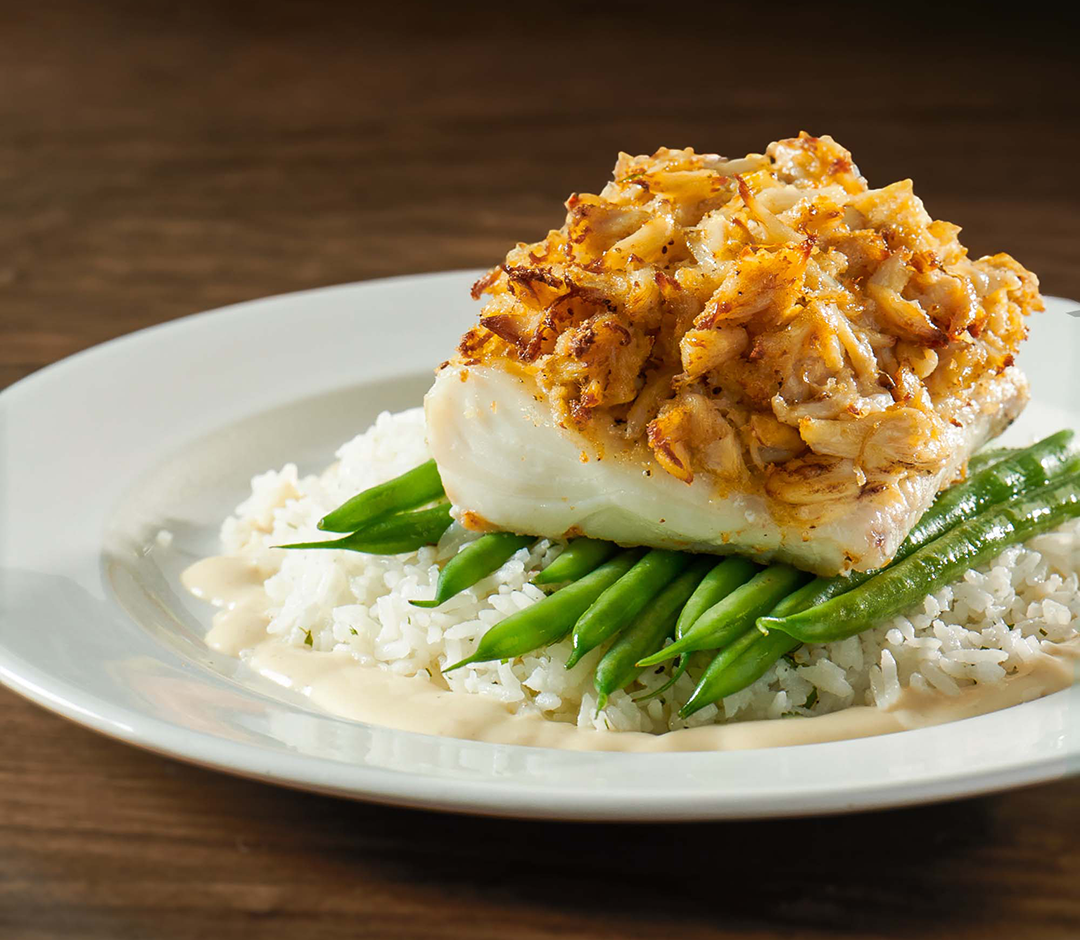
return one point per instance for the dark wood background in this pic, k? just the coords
(156, 161)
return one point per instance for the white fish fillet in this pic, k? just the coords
(504, 461)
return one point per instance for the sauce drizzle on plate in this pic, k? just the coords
(337, 683)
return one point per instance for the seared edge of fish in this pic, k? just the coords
(507, 465)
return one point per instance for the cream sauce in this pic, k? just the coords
(340, 685)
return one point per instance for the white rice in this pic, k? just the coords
(976, 631)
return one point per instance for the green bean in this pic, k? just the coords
(404, 532)
(475, 561)
(550, 619)
(579, 558)
(733, 615)
(1016, 472)
(414, 488)
(716, 585)
(624, 600)
(987, 457)
(727, 575)
(728, 671)
(969, 544)
(651, 627)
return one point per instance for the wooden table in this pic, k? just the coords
(154, 164)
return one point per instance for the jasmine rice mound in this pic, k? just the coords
(976, 631)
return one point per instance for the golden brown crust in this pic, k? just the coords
(771, 321)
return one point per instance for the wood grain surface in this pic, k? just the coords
(160, 159)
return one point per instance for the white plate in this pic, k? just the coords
(164, 428)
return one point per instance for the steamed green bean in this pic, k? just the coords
(413, 488)
(475, 561)
(624, 600)
(550, 619)
(653, 625)
(734, 614)
(580, 557)
(725, 576)
(404, 532)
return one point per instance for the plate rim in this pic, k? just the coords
(483, 799)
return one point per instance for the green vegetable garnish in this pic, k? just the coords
(579, 558)
(404, 532)
(550, 619)
(734, 614)
(613, 610)
(652, 626)
(475, 561)
(412, 489)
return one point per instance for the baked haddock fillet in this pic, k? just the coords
(760, 355)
